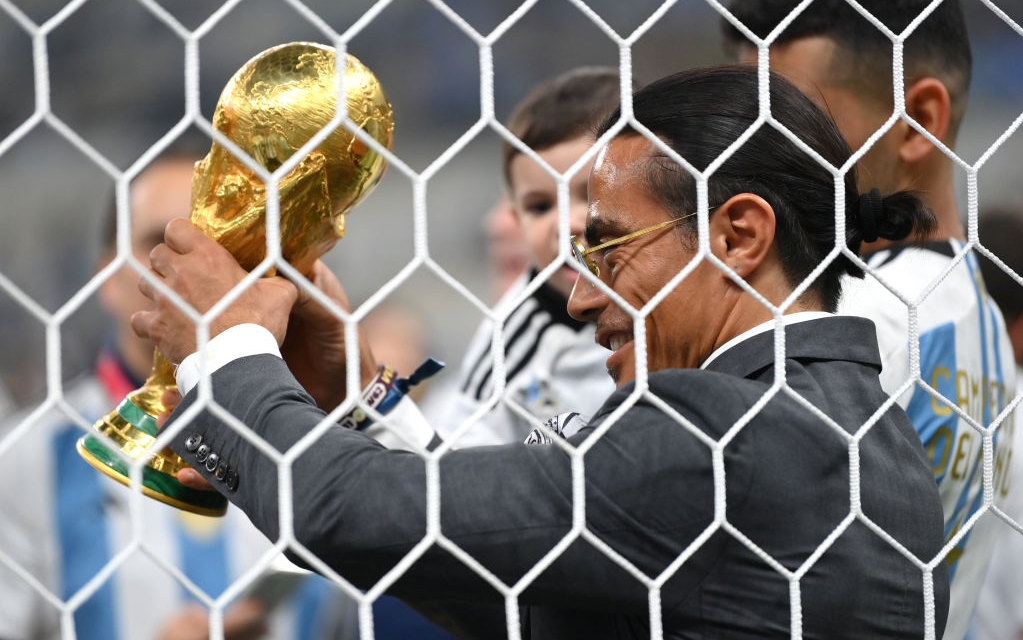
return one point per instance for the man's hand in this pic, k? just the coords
(186, 476)
(314, 346)
(243, 621)
(202, 272)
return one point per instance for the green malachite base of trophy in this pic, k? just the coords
(132, 427)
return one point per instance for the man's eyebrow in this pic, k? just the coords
(599, 228)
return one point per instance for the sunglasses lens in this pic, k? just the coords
(577, 252)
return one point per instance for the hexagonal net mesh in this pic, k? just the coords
(751, 509)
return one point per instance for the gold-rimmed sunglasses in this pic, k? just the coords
(582, 254)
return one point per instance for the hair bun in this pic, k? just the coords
(871, 212)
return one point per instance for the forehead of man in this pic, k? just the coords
(858, 103)
(619, 200)
(622, 161)
(158, 195)
(820, 68)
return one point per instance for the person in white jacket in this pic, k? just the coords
(999, 614)
(966, 372)
(531, 360)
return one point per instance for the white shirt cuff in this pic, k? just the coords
(407, 429)
(237, 342)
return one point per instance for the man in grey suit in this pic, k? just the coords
(748, 478)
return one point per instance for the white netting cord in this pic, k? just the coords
(510, 593)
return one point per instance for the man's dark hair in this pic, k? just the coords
(938, 47)
(563, 108)
(1001, 233)
(699, 113)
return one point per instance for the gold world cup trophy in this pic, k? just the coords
(270, 109)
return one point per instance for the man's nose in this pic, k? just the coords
(586, 300)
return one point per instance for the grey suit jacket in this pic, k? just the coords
(758, 506)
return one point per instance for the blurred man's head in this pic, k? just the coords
(556, 120)
(161, 192)
(506, 248)
(1001, 233)
(839, 57)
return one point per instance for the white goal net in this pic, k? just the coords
(97, 91)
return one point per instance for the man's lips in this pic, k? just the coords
(613, 340)
(621, 345)
(618, 340)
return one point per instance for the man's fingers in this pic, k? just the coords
(181, 235)
(246, 620)
(141, 324)
(193, 480)
(169, 399)
(323, 279)
(146, 289)
(160, 258)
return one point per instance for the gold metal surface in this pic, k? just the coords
(270, 109)
(132, 440)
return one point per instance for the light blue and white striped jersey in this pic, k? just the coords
(64, 522)
(966, 357)
(999, 611)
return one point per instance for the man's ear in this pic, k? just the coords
(742, 232)
(929, 104)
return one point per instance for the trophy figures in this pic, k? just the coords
(270, 109)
